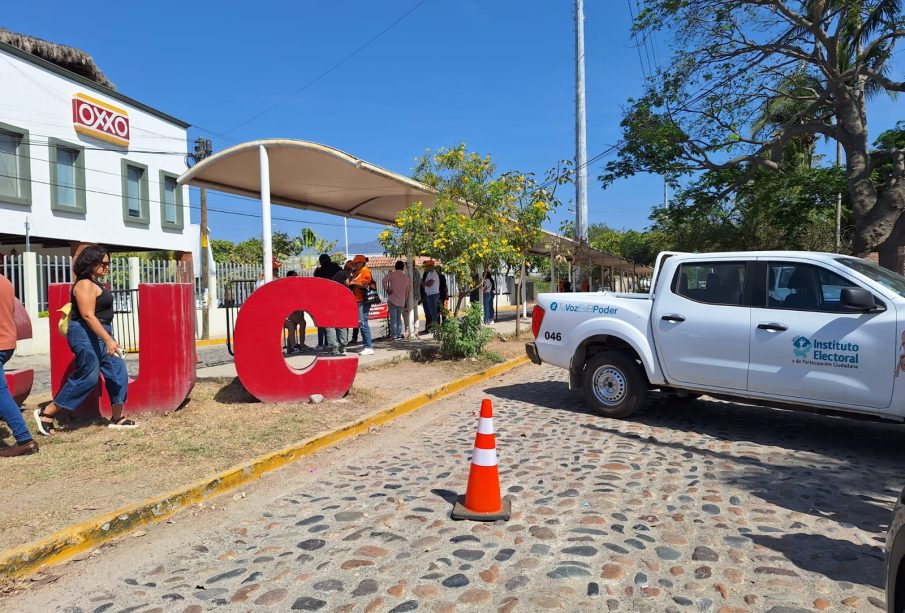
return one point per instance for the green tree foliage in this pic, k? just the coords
(634, 246)
(283, 247)
(751, 78)
(480, 219)
(724, 210)
(890, 171)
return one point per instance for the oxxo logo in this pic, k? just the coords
(801, 345)
(100, 120)
(553, 306)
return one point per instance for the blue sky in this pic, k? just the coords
(496, 75)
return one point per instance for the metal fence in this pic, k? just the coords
(52, 269)
(13, 268)
(125, 322)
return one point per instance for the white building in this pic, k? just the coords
(81, 163)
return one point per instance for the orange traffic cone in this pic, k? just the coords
(482, 500)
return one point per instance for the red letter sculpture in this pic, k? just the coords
(166, 360)
(259, 340)
(20, 381)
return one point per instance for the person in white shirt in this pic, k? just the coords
(431, 284)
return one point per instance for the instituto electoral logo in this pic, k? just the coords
(97, 119)
(553, 306)
(800, 346)
(818, 352)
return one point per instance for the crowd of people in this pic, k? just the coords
(95, 351)
(432, 293)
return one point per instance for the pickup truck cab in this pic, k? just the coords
(803, 329)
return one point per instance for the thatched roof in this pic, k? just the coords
(70, 58)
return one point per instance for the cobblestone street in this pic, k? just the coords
(698, 506)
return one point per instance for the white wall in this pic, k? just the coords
(40, 101)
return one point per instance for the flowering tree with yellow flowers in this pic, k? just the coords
(480, 219)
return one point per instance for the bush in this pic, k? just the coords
(465, 337)
(43, 313)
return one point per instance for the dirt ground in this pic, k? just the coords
(90, 469)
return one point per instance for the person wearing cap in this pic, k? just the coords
(326, 269)
(361, 279)
(431, 284)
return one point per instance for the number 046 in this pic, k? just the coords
(553, 336)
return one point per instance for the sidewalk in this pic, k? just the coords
(215, 362)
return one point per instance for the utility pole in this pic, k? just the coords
(203, 150)
(581, 148)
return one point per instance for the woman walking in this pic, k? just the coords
(488, 289)
(90, 338)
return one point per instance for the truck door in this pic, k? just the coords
(702, 327)
(805, 345)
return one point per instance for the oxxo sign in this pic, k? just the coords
(100, 120)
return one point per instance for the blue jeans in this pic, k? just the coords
(488, 308)
(9, 412)
(363, 309)
(91, 359)
(433, 301)
(322, 337)
(396, 320)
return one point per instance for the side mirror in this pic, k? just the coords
(858, 299)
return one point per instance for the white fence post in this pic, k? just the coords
(30, 272)
(134, 272)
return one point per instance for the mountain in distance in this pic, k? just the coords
(370, 248)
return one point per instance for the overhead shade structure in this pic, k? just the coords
(311, 176)
(305, 175)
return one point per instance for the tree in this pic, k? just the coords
(723, 210)
(223, 250)
(480, 220)
(737, 57)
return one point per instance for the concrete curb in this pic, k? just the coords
(75, 539)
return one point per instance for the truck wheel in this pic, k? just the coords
(614, 384)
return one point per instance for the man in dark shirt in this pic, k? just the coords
(326, 270)
(337, 338)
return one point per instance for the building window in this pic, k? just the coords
(15, 165)
(170, 202)
(136, 200)
(67, 176)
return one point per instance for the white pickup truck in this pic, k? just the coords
(781, 328)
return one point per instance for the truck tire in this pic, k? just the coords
(614, 384)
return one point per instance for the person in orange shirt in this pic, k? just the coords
(361, 279)
(9, 412)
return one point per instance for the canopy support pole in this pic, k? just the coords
(266, 228)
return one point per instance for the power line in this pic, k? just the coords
(635, 38)
(196, 207)
(325, 73)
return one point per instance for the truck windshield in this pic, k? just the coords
(884, 277)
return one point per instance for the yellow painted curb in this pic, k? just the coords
(71, 541)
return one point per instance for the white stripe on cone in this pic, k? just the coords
(485, 425)
(484, 457)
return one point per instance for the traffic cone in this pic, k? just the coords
(482, 500)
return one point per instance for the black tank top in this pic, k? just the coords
(103, 305)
